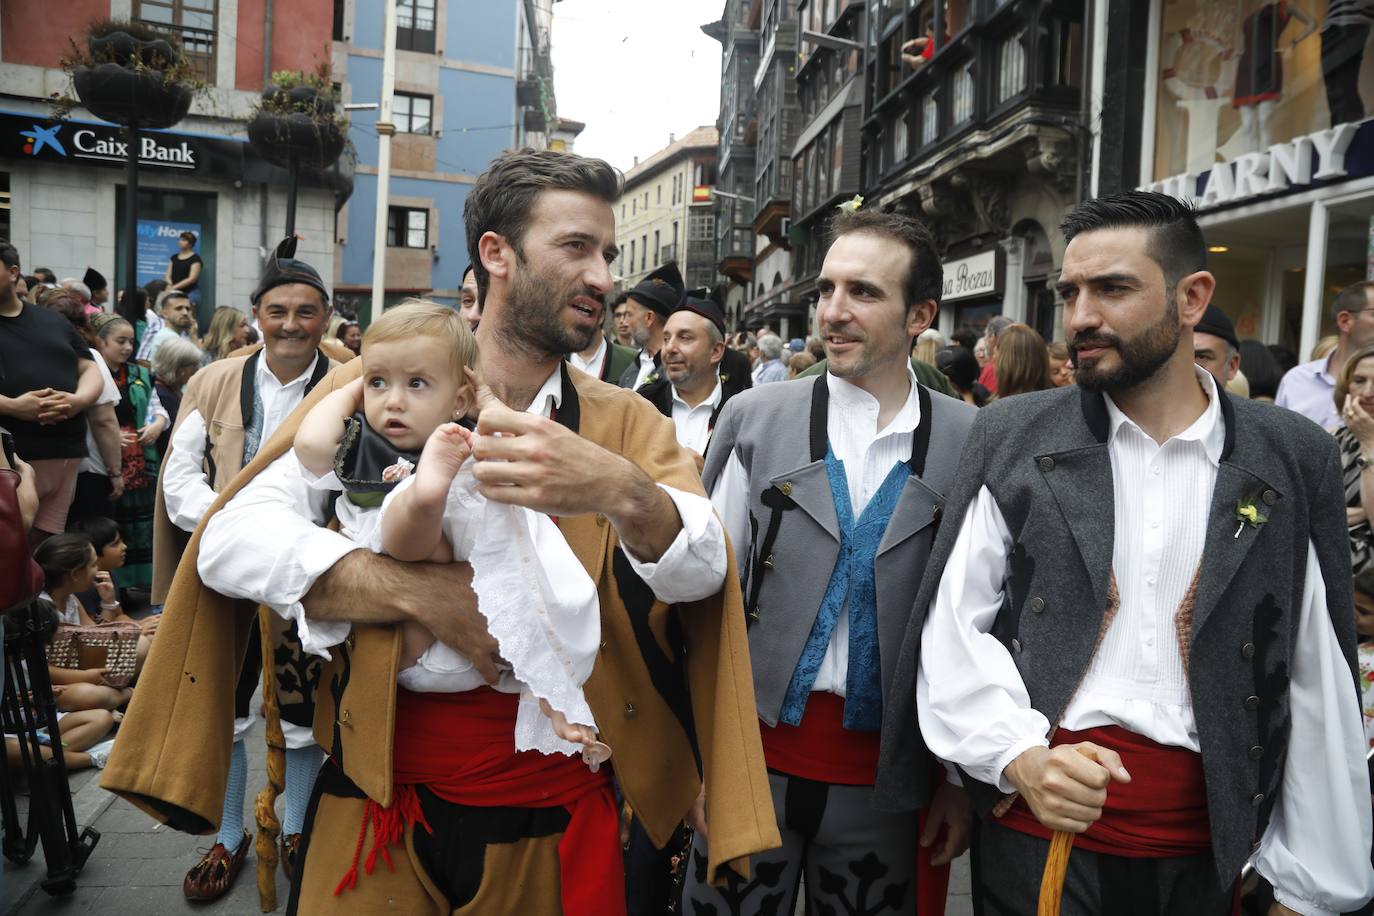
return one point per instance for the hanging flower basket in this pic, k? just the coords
(129, 74)
(297, 120)
(122, 96)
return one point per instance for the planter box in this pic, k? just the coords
(281, 138)
(139, 97)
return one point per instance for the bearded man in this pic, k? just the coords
(1143, 635)
(431, 783)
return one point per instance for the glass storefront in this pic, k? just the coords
(1238, 76)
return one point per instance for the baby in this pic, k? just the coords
(391, 442)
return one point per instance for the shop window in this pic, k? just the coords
(192, 22)
(413, 114)
(1238, 76)
(407, 227)
(415, 25)
(1011, 67)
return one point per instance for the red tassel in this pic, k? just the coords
(388, 826)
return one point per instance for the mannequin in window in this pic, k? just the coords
(1259, 75)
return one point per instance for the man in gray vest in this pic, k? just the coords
(831, 489)
(1143, 635)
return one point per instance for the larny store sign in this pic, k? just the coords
(1328, 155)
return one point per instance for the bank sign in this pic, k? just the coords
(24, 136)
(1336, 154)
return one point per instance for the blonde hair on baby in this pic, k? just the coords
(422, 318)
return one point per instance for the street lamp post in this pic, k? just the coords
(385, 130)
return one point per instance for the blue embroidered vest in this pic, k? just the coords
(851, 585)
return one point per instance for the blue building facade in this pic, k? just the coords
(472, 79)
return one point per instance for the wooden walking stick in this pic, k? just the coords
(1056, 867)
(264, 808)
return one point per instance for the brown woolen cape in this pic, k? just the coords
(172, 757)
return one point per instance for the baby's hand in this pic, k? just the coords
(444, 453)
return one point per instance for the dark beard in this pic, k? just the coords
(1141, 357)
(532, 319)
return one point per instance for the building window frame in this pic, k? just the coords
(410, 220)
(194, 22)
(415, 25)
(405, 114)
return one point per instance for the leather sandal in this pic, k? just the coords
(213, 876)
(290, 847)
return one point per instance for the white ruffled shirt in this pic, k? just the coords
(539, 603)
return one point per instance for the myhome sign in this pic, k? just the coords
(1316, 157)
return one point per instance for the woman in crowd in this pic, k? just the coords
(927, 345)
(1023, 361)
(960, 367)
(69, 567)
(799, 363)
(350, 335)
(1261, 370)
(183, 270)
(173, 365)
(1355, 400)
(228, 332)
(1061, 367)
(141, 422)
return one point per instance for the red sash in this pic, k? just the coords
(1160, 813)
(823, 750)
(461, 746)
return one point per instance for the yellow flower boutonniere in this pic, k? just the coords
(853, 204)
(1247, 513)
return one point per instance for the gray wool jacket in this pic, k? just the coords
(778, 433)
(1044, 458)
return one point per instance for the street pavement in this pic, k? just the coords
(138, 865)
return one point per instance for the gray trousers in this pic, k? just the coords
(1012, 863)
(856, 859)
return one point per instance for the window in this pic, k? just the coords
(899, 135)
(700, 228)
(658, 193)
(930, 118)
(413, 114)
(1011, 65)
(644, 247)
(415, 25)
(193, 22)
(407, 228)
(962, 102)
(657, 250)
(338, 34)
(630, 265)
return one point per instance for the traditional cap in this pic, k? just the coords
(661, 290)
(94, 280)
(282, 267)
(1215, 322)
(706, 309)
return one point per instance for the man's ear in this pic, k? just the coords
(1194, 294)
(497, 255)
(920, 316)
(717, 352)
(1345, 321)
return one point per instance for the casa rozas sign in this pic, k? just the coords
(975, 275)
(1318, 156)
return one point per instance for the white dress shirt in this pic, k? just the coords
(592, 366)
(868, 454)
(94, 462)
(268, 544)
(975, 711)
(645, 362)
(694, 423)
(185, 490)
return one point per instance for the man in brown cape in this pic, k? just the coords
(671, 691)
